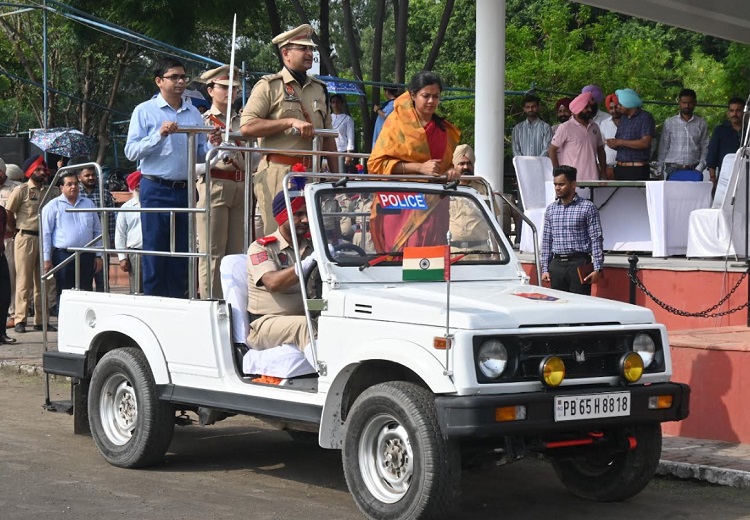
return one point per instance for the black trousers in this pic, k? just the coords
(632, 173)
(564, 275)
(4, 286)
(66, 277)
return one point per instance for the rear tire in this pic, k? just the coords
(396, 462)
(130, 426)
(617, 476)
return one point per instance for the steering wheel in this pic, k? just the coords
(346, 246)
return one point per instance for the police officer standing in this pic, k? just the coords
(7, 185)
(23, 215)
(284, 109)
(227, 199)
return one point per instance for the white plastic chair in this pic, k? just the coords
(720, 230)
(532, 174)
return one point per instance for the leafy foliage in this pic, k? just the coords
(553, 46)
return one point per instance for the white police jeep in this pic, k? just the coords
(414, 376)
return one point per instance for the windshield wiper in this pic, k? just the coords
(381, 258)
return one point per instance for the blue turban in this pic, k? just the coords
(629, 98)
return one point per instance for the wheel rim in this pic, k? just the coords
(118, 407)
(386, 459)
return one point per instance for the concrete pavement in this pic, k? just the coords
(717, 462)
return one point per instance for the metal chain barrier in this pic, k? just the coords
(707, 313)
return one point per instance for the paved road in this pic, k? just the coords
(239, 469)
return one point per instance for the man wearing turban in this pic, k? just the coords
(23, 215)
(633, 138)
(578, 142)
(274, 300)
(608, 128)
(562, 109)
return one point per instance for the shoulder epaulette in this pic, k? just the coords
(270, 239)
(270, 77)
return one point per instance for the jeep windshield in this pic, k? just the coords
(368, 227)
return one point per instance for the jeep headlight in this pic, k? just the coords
(492, 358)
(644, 345)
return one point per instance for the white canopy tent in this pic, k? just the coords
(727, 19)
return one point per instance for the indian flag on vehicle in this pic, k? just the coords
(426, 264)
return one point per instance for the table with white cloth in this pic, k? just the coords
(644, 215)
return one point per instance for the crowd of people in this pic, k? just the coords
(622, 143)
(588, 144)
(282, 112)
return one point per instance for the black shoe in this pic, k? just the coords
(7, 339)
(20, 327)
(50, 327)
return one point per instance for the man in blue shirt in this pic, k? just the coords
(62, 229)
(633, 138)
(726, 138)
(572, 238)
(163, 157)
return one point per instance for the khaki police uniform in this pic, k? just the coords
(361, 236)
(275, 317)
(227, 211)
(468, 227)
(5, 191)
(24, 202)
(280, 96)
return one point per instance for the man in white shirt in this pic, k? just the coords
(128, 234)
(608, 128)
(344, 123)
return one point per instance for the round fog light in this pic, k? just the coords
(644, 345)
(631, 367)
(552, 371)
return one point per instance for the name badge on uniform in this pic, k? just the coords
(290, 94)
(33, 195)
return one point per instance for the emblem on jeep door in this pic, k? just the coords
(580, 356)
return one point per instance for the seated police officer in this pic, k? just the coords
(274, 300)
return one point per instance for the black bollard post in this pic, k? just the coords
(632, 271)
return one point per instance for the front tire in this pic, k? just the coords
(396, 462)
(131, 427)
(614, 477)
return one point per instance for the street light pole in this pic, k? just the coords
(45, 100)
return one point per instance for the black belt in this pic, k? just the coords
(682, 166)
(566, 257)
(29, 232)
(180, 185)
(254, 317)
(467, 243)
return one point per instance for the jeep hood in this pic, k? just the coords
(486, 305)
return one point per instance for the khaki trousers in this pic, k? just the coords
(268, 182)
(10, 246)
(271, 331)
(28, 279)
(227, 229)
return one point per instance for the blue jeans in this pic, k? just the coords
(164, 276)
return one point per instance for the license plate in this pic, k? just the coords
(579, 407)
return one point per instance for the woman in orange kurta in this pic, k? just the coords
(414, 141)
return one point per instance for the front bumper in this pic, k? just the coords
(474, 416)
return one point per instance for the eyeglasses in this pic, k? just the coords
(301, 48)
(174, 78)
